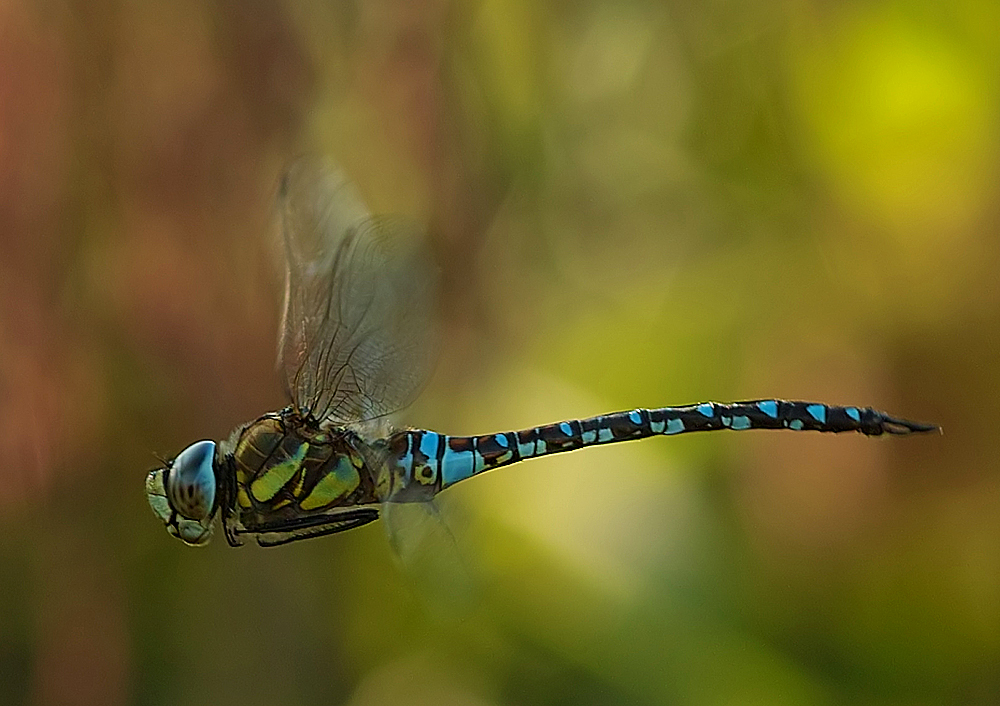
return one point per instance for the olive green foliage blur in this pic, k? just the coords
(631, 204)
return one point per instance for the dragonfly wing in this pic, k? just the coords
(357, 333)
(424, 543)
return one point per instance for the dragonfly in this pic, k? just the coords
(357, 342)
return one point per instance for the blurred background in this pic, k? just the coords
(632, 204)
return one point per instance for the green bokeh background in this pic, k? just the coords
(632, 204)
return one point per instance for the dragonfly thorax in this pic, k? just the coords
(291, 475)
(283, 459)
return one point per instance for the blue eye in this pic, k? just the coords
(191, 482)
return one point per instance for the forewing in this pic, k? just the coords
(357, 335)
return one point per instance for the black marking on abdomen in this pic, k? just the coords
(462, 444)
(496, 449)
(558, 437)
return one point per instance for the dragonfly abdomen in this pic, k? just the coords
(430, 462)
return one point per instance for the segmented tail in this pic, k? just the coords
(429, 462)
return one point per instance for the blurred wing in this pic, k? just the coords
(357, 332)
(424, 543)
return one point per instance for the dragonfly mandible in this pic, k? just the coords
(356, 344)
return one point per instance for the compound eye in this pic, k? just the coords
(191, 481)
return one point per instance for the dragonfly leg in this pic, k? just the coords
(272, 534)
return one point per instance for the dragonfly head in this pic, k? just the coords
(183, 494)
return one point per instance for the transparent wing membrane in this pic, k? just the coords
(424, 538)
(357, 334)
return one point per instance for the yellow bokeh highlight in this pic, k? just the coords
(898, 116)
(506, 51)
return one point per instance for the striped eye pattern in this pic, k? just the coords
(191, 481)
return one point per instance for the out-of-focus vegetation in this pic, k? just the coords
(637, 203)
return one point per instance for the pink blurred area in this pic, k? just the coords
(136, 161)
(40, 380)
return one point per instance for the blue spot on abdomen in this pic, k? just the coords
(457, 465)
(769, 407)
(817, 412)
(429, 446)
